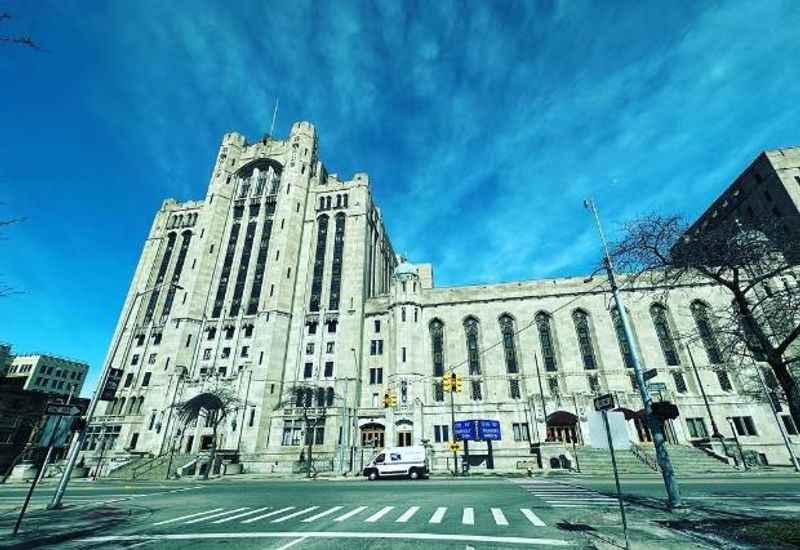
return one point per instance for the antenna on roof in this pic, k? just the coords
(274, 114)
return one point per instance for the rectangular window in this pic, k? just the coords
(188, 340)
(376, 376)
(152, 359)
(328, 369)
(441, 433)
(475, 390)
(156, 338)
(788, 423)
(680, 382)
(377, 325)
(438, 391)
(403, 353)
(291, 432)
(222, 371)
(332, 326)
(744, 425)
(260, 357)
(308, 370)
(376, 347)
(514, 388)
(521, 432)
(146, 379)
(207, 353)
(697, 427)
(310, 348)
(134, 360)
(252, 418)
(245, 351)
(226, 352)
(312, 327)
(329, 347)
(129, 380)
(212, 332)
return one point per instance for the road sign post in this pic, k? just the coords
(34, 482)
(603, 404)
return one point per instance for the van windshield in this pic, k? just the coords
(380, 458)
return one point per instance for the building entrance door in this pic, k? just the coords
(372, 435)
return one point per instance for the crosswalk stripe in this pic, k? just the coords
(269, 515)
(206, 518)
(243, 514)
(407, 514)
(351, 513)
(323, 514)
(173, 520)
(499, 518)
(295, 514)
(533, 518)
(468, 517)
(379, 514)
(438, 515)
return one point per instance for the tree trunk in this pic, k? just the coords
(213, 454)
(790, 388)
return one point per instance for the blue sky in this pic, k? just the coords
(482, 123)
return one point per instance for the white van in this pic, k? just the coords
(398, 461)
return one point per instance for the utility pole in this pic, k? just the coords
(77, 442)
(541, 392)
(662, 455)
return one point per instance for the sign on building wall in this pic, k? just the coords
(112, 383)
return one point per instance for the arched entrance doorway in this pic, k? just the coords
(404, 429)
(562, 427)
(373, 435)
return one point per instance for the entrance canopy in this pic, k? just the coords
(561, 418)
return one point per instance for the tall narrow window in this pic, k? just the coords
(659, 315)
(509, 348)
(261, 263)
(700, 313)
(176, 274)
(162, 271)
(437, 347)
(581, 320)
(244, 263)
(319, 263)
(624, 345)
(336, 269)
(546, 341)
(473, 356)
(219, 300)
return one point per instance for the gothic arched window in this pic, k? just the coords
(336, 269)
(226, 271)
(329, 395)
(624, 345)
(659, 314)
(162, 271)
(437, 348)
(509, 347)
(581, 320)
(473, 354)
(319, 263)
(701, 319)
(546, 341)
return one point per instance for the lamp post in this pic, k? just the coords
(78, 441)
(667, 471)
(715, 433)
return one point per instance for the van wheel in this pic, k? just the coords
(413, 474)
(373, 475)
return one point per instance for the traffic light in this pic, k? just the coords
(447, 383)
(389, 400)
(457, 383)
(386, 400)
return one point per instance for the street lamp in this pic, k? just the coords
(78, 441)
(667, 471)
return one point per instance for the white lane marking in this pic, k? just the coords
(533, 518)
(379, 514)
(468, 517)
(173, 520)
(351, 513)
(220, 514)
(570, 505)
(294, 514)
(269, 515)
(407, 514)
(244, 514)
(334, 535)
(581, 500)
(285, 546)
(498, 516)
(438, 515)
(323, 514)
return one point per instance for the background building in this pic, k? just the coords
(284, 278)
(48, 373)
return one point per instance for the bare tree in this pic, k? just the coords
(311, 404)
(754, 264)
(212, 407)
(18, 39)
(6, 289)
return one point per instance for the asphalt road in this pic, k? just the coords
(356, 514)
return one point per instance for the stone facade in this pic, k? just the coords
(286, 278)
(49, 373)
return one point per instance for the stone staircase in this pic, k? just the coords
(691, 460)
(152, 468)
(598, 461)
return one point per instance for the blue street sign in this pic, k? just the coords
(489, 429)
(465, 430)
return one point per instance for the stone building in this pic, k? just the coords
(284, 278)
(49, 373)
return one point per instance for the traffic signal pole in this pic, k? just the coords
(656, 429)
(453, 423)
